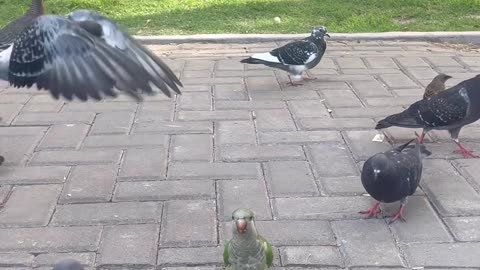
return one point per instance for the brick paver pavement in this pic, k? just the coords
(142, 186)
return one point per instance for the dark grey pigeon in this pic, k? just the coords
(295, 57)
(68, 264)
(448, 110)
(392, 176)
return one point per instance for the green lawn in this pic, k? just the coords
(257, 16)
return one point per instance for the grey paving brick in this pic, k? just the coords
(341, 98)
(443, 61)
(335, 124)
(230, 92)
(361, 144)
(189, 224)
(64, 136)
(261, 152)
(399, 135)
(299, 137)
(16, 259)
(196, 74)
(199, 170)
(469, 169)
(167, 127)
(214, 115)
(50, 239)
(274, 120)
(391, 101)
(54, 118)
(9, 113)
(464, 228)
(412, 61)
(320, 256)
(353, 236)
(230, 132)
(381, 62)
(155, 111)
(14, 98)
(449, 192)
(346, 185)
(443, 254)
(99, 107)
(29, 206)
(192, 147)
(285, 95)
(191, 256)
(195, 101)
(17, 150)
(350, 62)
(164, 190)
(421, 73)
(33, 175)
(229, 65)
(126, 141)
(308, 109)
(290, 178)
(112, 123)
(262, 83)
(323, 155)
(15, 131)
(107, 213)
(233, 194)
(144, 164)
(84, 157)
(42, 107)
(397, 80)
(366, 112)
(371, 88)
(319, 207)
(50, 259)
(249, 105)
(4, 193)
(199, 64)
(133, 245)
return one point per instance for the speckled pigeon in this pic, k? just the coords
(295, 57)
(436, 86)
(449, 110)
(68, 264)
(392, 176)
(247, 250)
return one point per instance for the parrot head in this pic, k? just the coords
(243, 220)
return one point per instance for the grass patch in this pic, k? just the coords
(256, 16)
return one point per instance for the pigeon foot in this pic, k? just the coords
(372, 212)
(420, 137)
(465, 153)
(398, 215)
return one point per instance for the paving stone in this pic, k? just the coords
(199, 170)
(189, 224)
(381, 62)
(42, 107)
(262, 83)
(319, 207)
(426, 73)
(251, 194)
(54, 118)
(50, 259)
(143, 164)
(50, 239)
(285, 95)
(443, 254)
(17, 150)
(214, 115)
(192, 147)
(230, 92)
(366, 112)
(196, 74)
(449, 192)
(16, 260)
(10, 112)
(464, 228)
(107, 213)
(412, 61)
(230, 132)
(346, 185)
(361, 144)
(308, 108)
(423, 224)
(323, 155)
(14, 98)
(249, 105)
(191, 256)
(371, 88)
(229, 65)
(274, 120)
(155, 111)
(443, 61)
(390, 101)
(403, 135)
(64, 136)
(84, 157)
(112, 123)
(234, 153)
(167, 127)
(29, 206)
(119, 141)
(299, 137)
(199, 64)
(397, 80)
(341, 98)
(89, 184)
(196, 101)
(353, 236)
(290, 178)
(469, 169)
(33, 175)
(415, 92)
(335, 124)
(320, 256)
(4, 193)
(99, 107)
(350, 62)
(164, 190)
(15, 131)
(129, 245)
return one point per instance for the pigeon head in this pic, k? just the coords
(320, 32)
(68, 264)
(83, 15)
(442, 77)
(243, 220)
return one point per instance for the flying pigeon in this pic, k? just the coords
(436, 86)
(68, 264)
(392, 176)
(449, 110)
(295, 57)
(247, 250)
(84, 55)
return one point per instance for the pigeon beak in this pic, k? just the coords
(326, 34)
(241, 225)
(448, 77)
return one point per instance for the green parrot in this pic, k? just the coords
(247, 250)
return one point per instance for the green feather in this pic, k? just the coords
(225, 254)
(268, 250)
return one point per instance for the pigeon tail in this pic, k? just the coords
(403, 119)
(251, 60)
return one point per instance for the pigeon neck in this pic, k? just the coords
(37, 7)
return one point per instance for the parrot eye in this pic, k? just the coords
(250, 218)
(233, 218)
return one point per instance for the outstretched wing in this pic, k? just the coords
(299, 52)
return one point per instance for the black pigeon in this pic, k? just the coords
(295, 57)
(448, 110)
(68, 264)
(392, 176)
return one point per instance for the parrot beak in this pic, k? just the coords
(241, 225)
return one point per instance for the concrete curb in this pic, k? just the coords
(472, 37)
